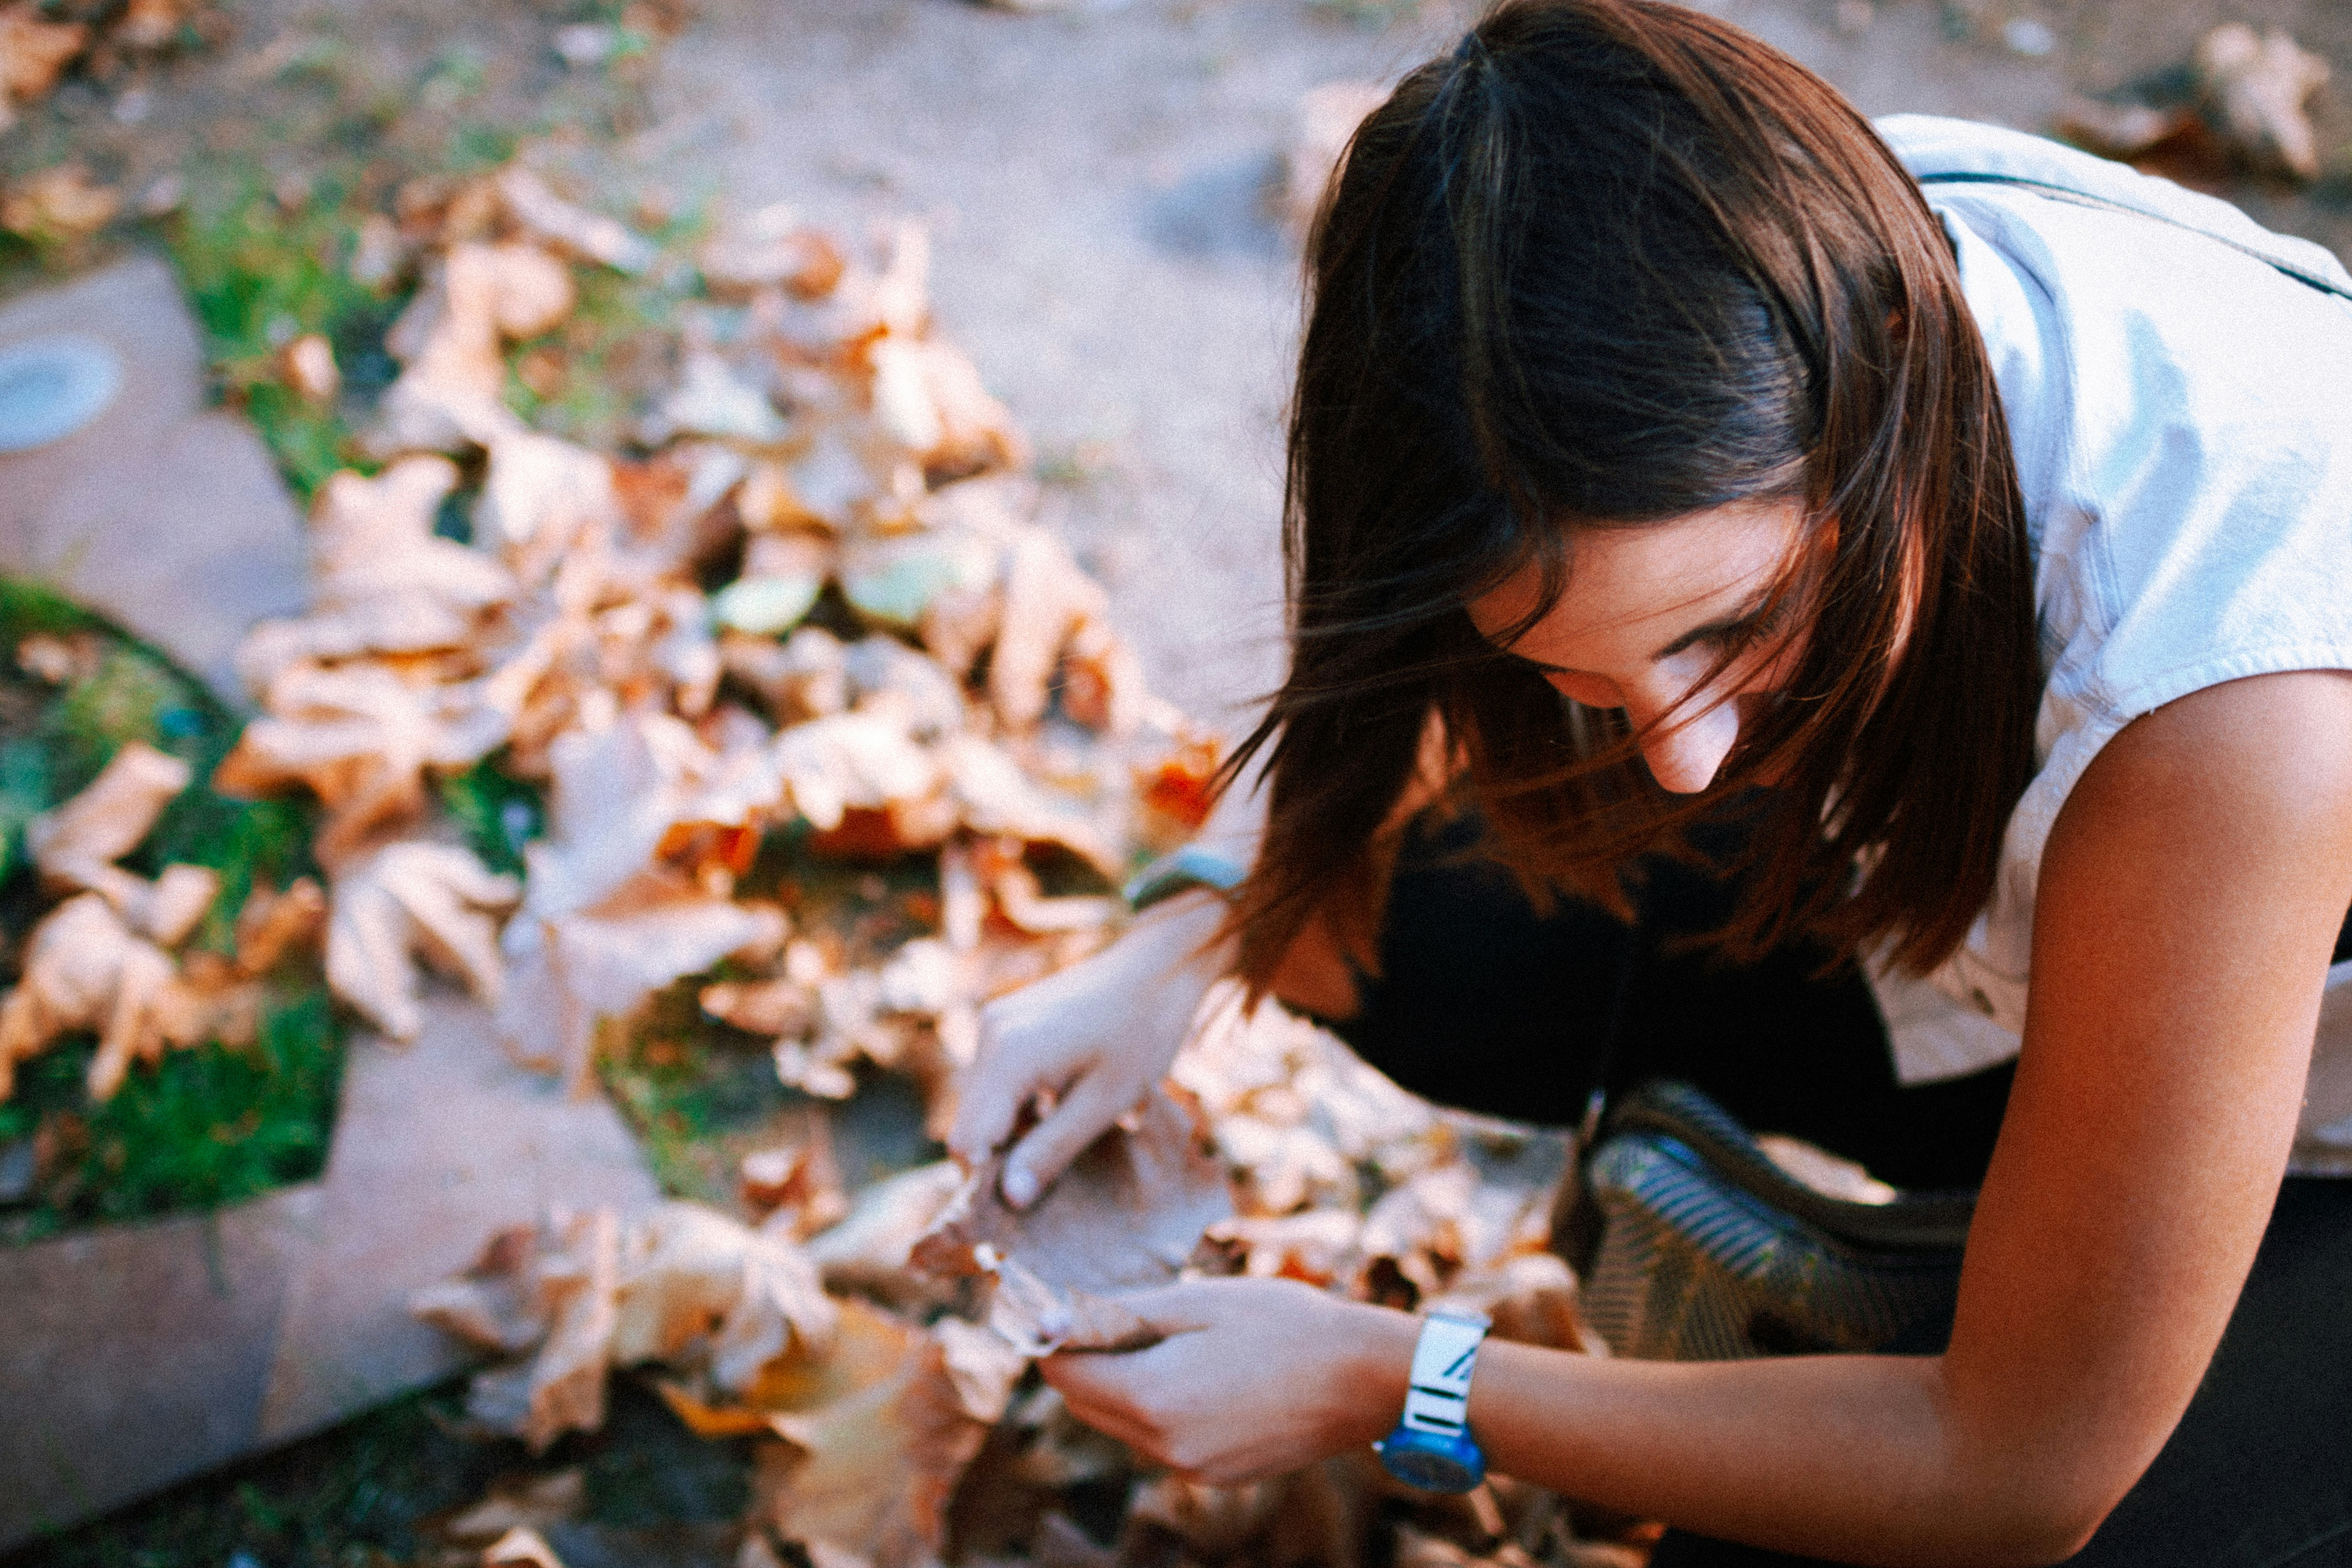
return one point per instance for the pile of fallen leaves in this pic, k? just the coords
(812, 603)
(879, 1351)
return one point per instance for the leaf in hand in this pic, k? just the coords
(1127, 1212)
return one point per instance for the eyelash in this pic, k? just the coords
(1747, 635)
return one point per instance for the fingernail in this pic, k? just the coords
(1020, 1186)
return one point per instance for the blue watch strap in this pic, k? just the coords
(1438, 1399)
(1190, 866)
(1431, 1447)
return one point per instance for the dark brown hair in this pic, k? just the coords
(1609, 264)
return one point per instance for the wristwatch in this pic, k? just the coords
(1431, 1447)
(1186, 869)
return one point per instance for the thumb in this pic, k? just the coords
(1083, 1116)
(1167, 1310)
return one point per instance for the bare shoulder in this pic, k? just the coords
(2224, 770)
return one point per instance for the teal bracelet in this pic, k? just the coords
(1184, 870)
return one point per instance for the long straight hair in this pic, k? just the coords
(1609, 264)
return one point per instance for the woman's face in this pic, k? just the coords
(1648, 612)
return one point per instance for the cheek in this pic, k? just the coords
(1772, 672)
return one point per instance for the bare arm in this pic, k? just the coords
(2189, 898)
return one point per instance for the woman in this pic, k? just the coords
(1932, 602)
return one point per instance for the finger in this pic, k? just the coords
(1178, 1309)
(1091, 1106)
(1095, 1392)
(988, 1107)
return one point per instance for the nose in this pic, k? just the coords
(1686, 750)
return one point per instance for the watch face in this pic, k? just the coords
(1427, 1469)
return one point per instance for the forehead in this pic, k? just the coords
(1644, 585)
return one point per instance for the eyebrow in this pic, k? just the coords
(1738, 620)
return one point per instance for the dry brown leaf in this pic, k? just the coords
(714, 398)
(868, 1250)
(382, 582)
(1318, 1245)
(360, 737)
(514, 1503)
(930, 400)
(1046, 599)
(620, 795)
(2257, 84)
(1032, 1317)
(983, 1366)
(209, 999)
(783, 1005)
(408, 900)
(107, 820)
(494, 1305)
(578, 1284)
(884, 292)
(451, 393)
(544, 501)
(1127, 1212)
(794, 1188)
(309, 366)
(694, 1281)
(521, 1547)
(59, 204)
(370, 537)
(572, 227)
(84, 969)
(871, 1473)
(768, 248)
(1320, 1516)
(683, 1285)
(61, 660)
(994, 794)
(867, 762)
(914, 1014)
(34, 51)
(75, 844)
(600, 962)
(272, 924)
(805, 677)
(621, 901)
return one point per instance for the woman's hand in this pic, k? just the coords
(1256, 1377)
(1086, 1043)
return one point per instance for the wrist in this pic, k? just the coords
(1178, 939)
(1377, 1372)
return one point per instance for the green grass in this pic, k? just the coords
(497, 811)
(260, 277)
(205, 1127)
(701, 1095)
(202, 1129)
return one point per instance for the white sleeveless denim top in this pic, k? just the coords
(2181, 411)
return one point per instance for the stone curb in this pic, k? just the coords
(138, 1355)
